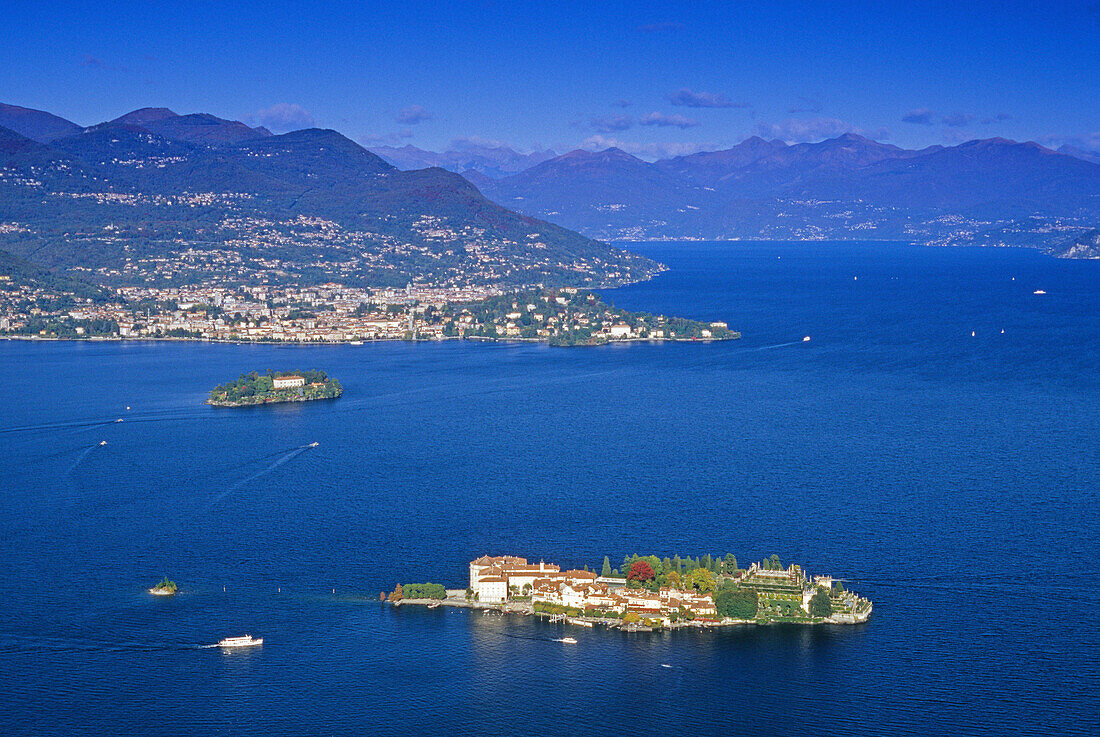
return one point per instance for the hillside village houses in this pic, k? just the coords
(495, 580)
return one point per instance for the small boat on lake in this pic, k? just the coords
(806, 339)
(1038, 291)
(568, 640)
(244, 641)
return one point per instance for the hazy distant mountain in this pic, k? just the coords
(132, 198)
(708, 167)
(1080, 153)
(991, 191)
(491, 161)
(35, 124)
(610, 191)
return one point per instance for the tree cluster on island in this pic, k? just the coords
(255, 388)
(166, 586)
(418, 591)
(734, 596)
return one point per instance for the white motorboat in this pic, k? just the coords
(568, 640)
(244, 641)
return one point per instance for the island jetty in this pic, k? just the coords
(275, 387)
(653, 594)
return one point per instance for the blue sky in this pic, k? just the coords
(654, 78)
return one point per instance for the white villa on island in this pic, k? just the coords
(498, 579)
(288, 382)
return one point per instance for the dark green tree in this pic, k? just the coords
(820, 604)
(738, 603)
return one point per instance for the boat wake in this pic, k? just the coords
(84, 455)
(27, 644)
(287, 456)
(778, 345)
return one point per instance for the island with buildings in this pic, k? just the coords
(335, 313)
(650, 593)
(274, 387)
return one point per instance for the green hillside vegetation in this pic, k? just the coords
(314, 201)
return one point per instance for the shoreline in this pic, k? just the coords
(357, 341)
(527, 610)
(238, 405)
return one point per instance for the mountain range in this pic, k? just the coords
(994, 191)
(472, 159)
(154, 197)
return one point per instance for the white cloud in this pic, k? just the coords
(610, 123)
(285, 116)
(920, 116)
(413, 114)
(663, 120)
(687, 98)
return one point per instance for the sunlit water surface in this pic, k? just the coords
(950, 478)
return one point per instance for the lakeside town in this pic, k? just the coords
(649, 593)
(334, 313)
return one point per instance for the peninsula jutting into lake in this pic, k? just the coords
(650, 593)
(275, 387)
(334, 313)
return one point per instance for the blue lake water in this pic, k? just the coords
(952, 479)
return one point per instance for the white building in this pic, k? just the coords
(492, 590)
(288, 382)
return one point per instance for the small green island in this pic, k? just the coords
(274, 387)
(650, 593)
(166, 587)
